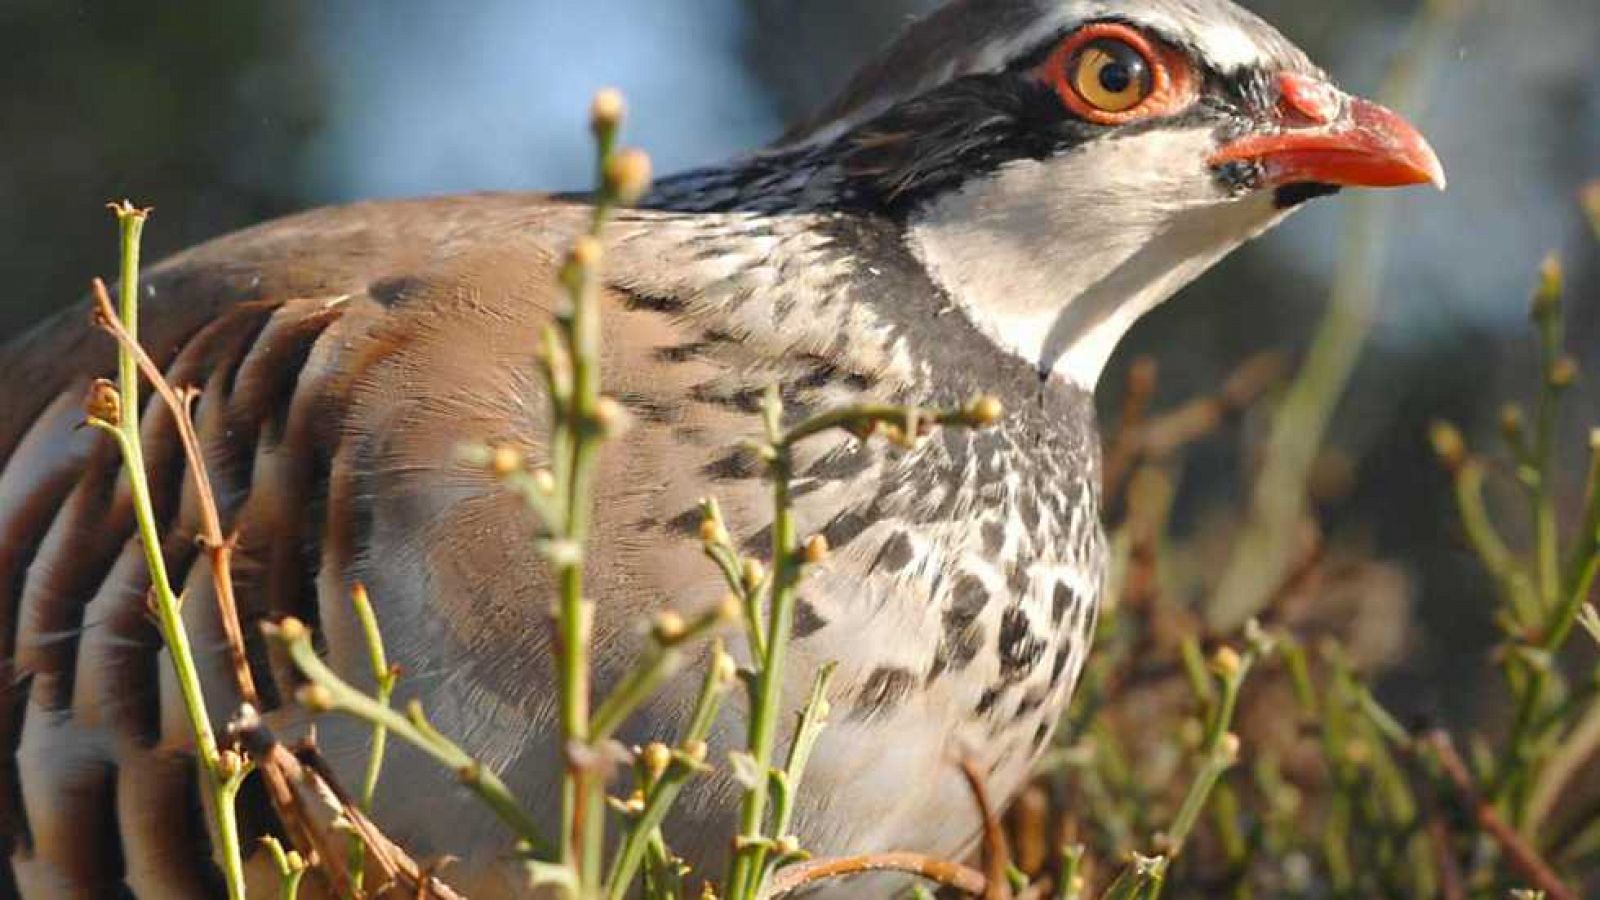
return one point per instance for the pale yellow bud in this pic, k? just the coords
(103, 402)
(816, 549)
(586, 252)
(1564, 372)
(723, 668)
(655, 757)
(607, 110)
(544, 481)
(610, 416)
(754, 573)
(315, 698)
(505, 461)
(291, 629)
(669, 626)
(985, 411)
(1226, 662)
(627, 175)
(1547, 296)
(229, 764)
(1448, 444)
(712, 532)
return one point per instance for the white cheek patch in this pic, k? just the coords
(1055, 260)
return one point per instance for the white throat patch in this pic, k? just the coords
(1056, 259)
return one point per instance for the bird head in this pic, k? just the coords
(1062, 166)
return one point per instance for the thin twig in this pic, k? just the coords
(812, 719)
(996, 852)
(218, 547)
(1169, 432)
(939, 871)
(291, 868)
(1452, 884)
(325, 819)
(661, 788)
(327, 692)
(1521, 855)
(384, 677)
(1124, 448)
(750, 864)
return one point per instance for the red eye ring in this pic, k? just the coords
(1172, 78)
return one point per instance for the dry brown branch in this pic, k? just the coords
(996, 854)
(1140, 436)
(1029, 822)
(991, 884)
(1522, 857)
(938, 871)
(1123, 451)
(218, 548)
(1452, 885)
(1201, 416)
(1302, 577)
(321, 818)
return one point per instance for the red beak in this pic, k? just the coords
(1369, 146)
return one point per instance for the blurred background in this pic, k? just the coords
(225, 113)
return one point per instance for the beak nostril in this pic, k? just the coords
(1304, 100)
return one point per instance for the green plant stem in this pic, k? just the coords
(767, 694)
(168, 607)
(813, 718)
(1070, 887)
(659, 664)
(1589, 618)
(413, 728)
(1564, 764)
(862, 417)
(748, 868)
(660, 795)
(1218, 754)
(661, 660)
(1491, 549)
(1587, 545)
(1142, 879)
(290, 869)
(659, 800)
(1547, 539)
(384, 678)
(1570, 611)
(576, 439)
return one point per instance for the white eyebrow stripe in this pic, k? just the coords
(1228, 48)
(1225, 45)
(1227, 37)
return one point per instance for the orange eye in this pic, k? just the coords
(1110, 74)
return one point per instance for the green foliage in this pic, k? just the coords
(1337, 797)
